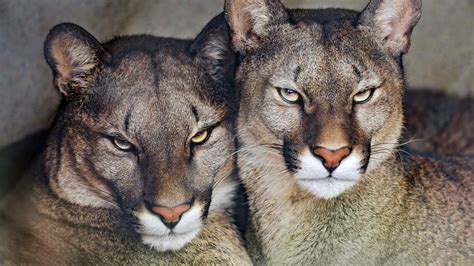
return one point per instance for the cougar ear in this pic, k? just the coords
(74, 56)
(393, 22)
(212, 50)
(249, 21)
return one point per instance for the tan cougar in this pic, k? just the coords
(319, 122)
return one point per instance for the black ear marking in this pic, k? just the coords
(212, 50)
(393, 22)
(74, 56)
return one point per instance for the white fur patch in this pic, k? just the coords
(223, 194)
(314, 177)
(155, 234)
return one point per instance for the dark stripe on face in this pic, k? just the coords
(357, 73)
(151, 177)
(195, 113)
(296, 73)
(366, 153)
(207, 198)
(127, 119)
(290, 156)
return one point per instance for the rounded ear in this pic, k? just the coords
(213, 50)
(74, 56)
(393, 22)
(249, 21)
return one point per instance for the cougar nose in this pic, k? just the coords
(330, 158)
(171, 216)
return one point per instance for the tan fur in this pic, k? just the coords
(397, 215)
(119, 151)
(44, 229)
(399, 209)
(73, 59)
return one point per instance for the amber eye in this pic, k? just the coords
(289, 95)
(122, 145)
(363, 96)
(200, 137)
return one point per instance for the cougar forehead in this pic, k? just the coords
(308, 49)
(326, 59)
(153, 98)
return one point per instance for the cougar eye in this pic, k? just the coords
(200, 137)
(122, 145)
(363, 96)
(289, 95)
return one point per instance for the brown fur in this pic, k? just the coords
(438, 123)
(400, 209)
(120, 145)
(54, 231)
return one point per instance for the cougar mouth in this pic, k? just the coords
(317, 179)
(327, 178)
(155, 233)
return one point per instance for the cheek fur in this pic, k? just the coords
(113, 165)
(372, 117)
(119, 173)
(209, 161)
(279, 118)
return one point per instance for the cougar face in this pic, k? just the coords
(321, 92)
(143, 128)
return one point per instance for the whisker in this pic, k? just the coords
(100, 191)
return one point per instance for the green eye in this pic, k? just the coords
(200, 137)
(289, 95)
(363, 96)
(122, 145)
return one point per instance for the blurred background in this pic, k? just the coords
(441, 56)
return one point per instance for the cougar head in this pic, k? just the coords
(145, 127)
(321, 90)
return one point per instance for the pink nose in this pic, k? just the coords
(171, 215)
(331, 159)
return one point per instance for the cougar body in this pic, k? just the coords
(437, 123)
(319, 122)
(138, 166)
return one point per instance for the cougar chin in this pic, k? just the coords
(315, 178)
(158, 236)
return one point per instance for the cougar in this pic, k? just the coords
(138, 167)
(319, 121)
